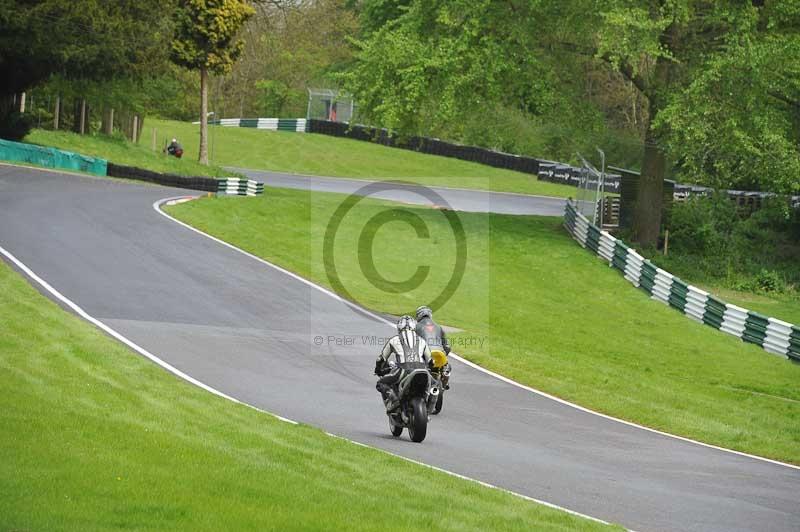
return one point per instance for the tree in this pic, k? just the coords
(205, 40)
(289, 46)
(439, 61)
(699, 63)
(95, 40)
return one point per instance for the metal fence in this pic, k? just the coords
(328, 104)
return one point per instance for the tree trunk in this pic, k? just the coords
(22, 103)
(76, 116)
(139, 127)
(650, 193)
(203, 157)
(57, 113)
(83, 116)
(107, 127)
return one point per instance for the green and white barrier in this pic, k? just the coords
(771, 334)
(298, 125)
(240, 187)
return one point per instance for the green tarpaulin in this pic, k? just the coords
(51, 157)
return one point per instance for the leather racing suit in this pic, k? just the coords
(436, 339)
(397, 354)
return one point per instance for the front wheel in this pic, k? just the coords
(395, 429)
(439, 402)
(418, 427)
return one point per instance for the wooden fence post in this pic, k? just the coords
(83, 117)
(57, 112)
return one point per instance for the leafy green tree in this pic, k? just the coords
(89, 41)
(690, 60)
(736, 123)
(704, 68)
(206, 40)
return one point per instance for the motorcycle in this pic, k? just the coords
(417, 392)
(440, 372)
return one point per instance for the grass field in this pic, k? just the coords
(312, 154)
(120, 151)
(553, 316)
(95, 437)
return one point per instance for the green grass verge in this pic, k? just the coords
(785, 307)
(95, 437)
(551, 315)
(323, 155)
(782, 305)
(120, 151)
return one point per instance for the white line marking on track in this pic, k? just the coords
(157, 208)
(484, 484)
(105, 328)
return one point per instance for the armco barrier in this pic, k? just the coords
(206, 184)
(51, 157)
(298, 125)
(232, 185)
(427, 145)
(771, 334)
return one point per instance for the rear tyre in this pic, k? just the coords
(439, 402)
(418, 427)
(396, 430)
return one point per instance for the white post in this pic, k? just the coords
(601, 184)
(22, 103)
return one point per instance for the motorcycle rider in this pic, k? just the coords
(407, 347)
(435, 338)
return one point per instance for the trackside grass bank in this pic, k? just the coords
(305, 153)
(95, 437)
(120, 151)
(535, 308)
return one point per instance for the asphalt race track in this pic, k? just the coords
(249, 331)
(457, 198)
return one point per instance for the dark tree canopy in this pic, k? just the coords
(90, 40)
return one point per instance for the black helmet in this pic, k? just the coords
(424, 312)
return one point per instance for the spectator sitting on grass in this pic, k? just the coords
(175, 148)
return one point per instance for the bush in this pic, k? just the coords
(711, 240)
(702, 226)
(15, 125)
